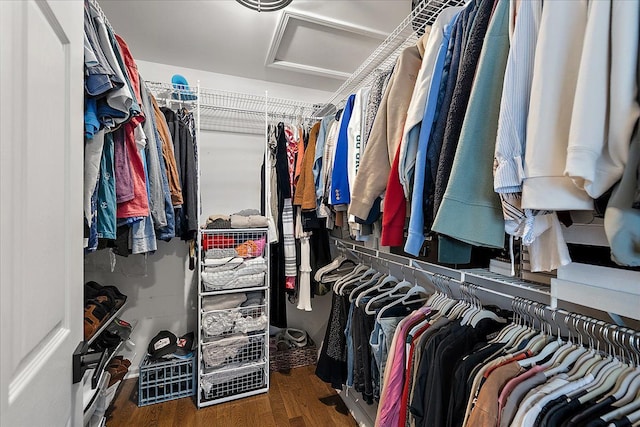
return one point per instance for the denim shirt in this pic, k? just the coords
(415, 237)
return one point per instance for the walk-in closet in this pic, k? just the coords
(389, 213)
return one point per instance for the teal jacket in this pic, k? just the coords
(470, 211)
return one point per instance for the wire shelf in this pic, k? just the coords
(384, 57)
(224, 111)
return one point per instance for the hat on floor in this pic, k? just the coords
(185, 344)
(162, 344)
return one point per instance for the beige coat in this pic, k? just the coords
(386, 134)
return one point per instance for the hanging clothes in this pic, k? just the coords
(469, 195)
(187, 215)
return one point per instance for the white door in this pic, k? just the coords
(41, 260)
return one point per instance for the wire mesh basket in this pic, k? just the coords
(233, 259)
(233, 350)
(220, 244)
(230, 382)
(217, 323)
(160, 381)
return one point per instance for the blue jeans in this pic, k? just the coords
(380, 341)
(350, 354)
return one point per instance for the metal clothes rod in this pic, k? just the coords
(619, 340)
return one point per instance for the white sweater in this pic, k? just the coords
(558, 53)
(409, 143)
(605, 106)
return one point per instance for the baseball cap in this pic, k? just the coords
(185, 344)
(162, 344)
(185, 93)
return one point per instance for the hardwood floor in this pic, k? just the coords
(295, 399)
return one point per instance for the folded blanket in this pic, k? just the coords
(251, 221)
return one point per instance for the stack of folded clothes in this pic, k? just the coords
(234, 313)
(218, 222)
(248, 218)
(233, 272)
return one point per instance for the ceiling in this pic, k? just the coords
(311, 43)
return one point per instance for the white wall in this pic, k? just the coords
(161, 289)
(230, 172)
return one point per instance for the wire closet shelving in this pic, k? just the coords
(384, 57)
(236, 112)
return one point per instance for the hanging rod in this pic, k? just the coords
(498, 286)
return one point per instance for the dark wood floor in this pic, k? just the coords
(295, 399)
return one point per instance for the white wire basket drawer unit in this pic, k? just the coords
(234, 259)
(237, 320)
(234, 315)
(235, 383)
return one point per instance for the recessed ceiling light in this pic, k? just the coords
(265, 5)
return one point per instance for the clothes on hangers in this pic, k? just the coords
(485, 79)
(135, 189)
(452, 362)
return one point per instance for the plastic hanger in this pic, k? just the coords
(381, 286)
(566, 361)
(344, 268)
(612, 371)
(634, 417)
(610, 383)
(404, 284)
(629, 408)
(330, 267)
(631, 381)
(624, 384)
(415, 290)
(376, 287)
(359, 278)
(359, 268)
(546, 351)
(377, 276)
(357, 275)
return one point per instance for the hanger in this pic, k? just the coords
(377, 276)
(386, 293)
(357, 275)
(627, 380)
(615, 374)
(415, 290)
(515, 323)
(561, 353)
(631, 406)
(537, 341)
(566, 360)
(355, 279)
(359, 268)
(390, 293)
(377, 287)
(511, 339)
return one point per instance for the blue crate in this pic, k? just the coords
(160, 381)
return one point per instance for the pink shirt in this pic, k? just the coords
(513, 382)
(389, 407)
